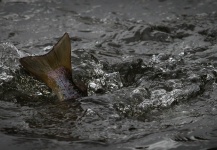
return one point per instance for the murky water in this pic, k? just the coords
(150, 68)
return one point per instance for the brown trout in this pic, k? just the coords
(54, 69)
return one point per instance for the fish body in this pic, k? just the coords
(54, 69)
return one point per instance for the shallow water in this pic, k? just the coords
(150, 68)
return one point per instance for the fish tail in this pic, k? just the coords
(54, 68)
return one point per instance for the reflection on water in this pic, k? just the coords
(151, 80)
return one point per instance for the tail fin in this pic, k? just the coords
(54, 68)
(59, 56)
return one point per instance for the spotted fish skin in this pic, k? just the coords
(55, 70)
(65, 88)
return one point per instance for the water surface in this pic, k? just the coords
(150, 68)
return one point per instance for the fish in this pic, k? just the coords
(55, 70)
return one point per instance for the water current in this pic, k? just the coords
(149, 65)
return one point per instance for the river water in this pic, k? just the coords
(150, 68)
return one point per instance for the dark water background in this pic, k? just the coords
(150, 68)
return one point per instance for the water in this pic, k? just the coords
(150, 68)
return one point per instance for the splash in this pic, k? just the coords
(9, 57)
